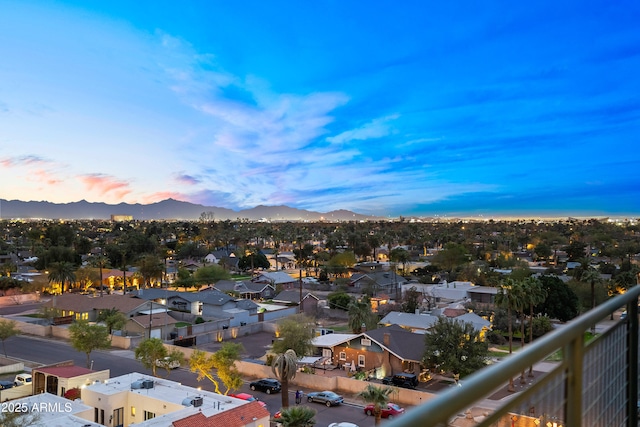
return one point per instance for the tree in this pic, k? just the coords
(150, 267)
(534, 294)
(412, 298)
(297, 416)
(401, 256)
(174, 358)
(295, 333)
(221, 361)
(561, 302)
(210, 274)
(451, 256)
(149, 351)
(8, 329)
(253, 260)
(284, 367)
(113, 319)
(378, 396)
(339, 300)
(593, 278)
(86, 338)
(63, 273)
(507, 298)
(455, 347)
(361, 316)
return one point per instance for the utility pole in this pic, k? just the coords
(300, 276)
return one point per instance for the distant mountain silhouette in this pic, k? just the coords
(165, 210)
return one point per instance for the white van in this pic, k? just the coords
(22, 379)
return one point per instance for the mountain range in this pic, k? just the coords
(169, 209)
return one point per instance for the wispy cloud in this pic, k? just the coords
(105, 185)
(31, 160)
(375, 129)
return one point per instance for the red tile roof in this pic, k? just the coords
(65, 371)
(239, 416)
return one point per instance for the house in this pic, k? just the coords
(413, 322)
(159, 323)
(277, 279)
(148, 401)
(59, 378)
(85, 307)
(56, 411)
(381, 352)
(482, 294)
(309, 301)
(387, 282)
(249, 290)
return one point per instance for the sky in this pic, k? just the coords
(382, 108)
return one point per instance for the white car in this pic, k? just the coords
(22, 379)
(343, 424)
(163, 363)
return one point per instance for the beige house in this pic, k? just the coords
(49, 410)
(58, 379)
(148, 401)
(160, 324)
(89, 307)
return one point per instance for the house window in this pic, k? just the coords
(148, 415)
(361, 360)
(343, 355)
(365, 342)
(133, 411)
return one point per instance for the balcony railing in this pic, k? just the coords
(594, 385)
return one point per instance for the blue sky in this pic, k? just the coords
(387, 108)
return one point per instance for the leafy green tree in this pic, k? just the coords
(575, 250)
(455, 347)
(400, 256)
(378, 396)
(149, 351)
(284, 367)
(561, 302)
(62, 273)
(211, 274)
(86, 338)
(339, 299)
(222, 362)
(8, 329)
(254, 259)
(150, 268)
(295, 333)
(451, 256)
(113, 319)
(411, 301)
(297, 416)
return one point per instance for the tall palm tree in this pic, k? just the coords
(62, 272)
(284, 367)
(359, 315)
(505, 298)
(297, 416)
(591, 276)
(535, 294)
(378, 396)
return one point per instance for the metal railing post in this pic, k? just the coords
(632, 363)
(574, 352)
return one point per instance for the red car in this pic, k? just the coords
(392, 410)
(248, 398)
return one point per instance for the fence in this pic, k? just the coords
(595, 384)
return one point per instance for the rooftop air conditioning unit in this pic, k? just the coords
(197, 401)
(147, 384)
(192, 401)
(136, 385)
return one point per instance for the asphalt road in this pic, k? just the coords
(47, 351)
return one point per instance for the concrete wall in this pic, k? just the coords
(320, 382)
(18, 299)
(33, 329)
(16, 392)
(280, 314)
(10, 365)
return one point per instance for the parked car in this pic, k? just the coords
(249, 398)
(163, 363)
(343, 424)
(392, 410)
(267, 385)
(5, 385)
(329, 398)
(401, 380)
(22, 379)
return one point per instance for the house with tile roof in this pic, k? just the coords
(89, 307)
(148, 401)
(292, 297)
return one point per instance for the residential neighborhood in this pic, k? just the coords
(357, 317)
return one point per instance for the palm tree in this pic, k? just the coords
(284, 367)
(61, 272)
(378, 396)
(359, 315)
(535, 294)
(297, 416)
(592, 276)
(505, 298)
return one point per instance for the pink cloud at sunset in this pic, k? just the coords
(106, 185)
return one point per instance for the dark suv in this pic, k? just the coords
(268, 385)
(401, 380)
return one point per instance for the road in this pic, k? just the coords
(120, 362)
